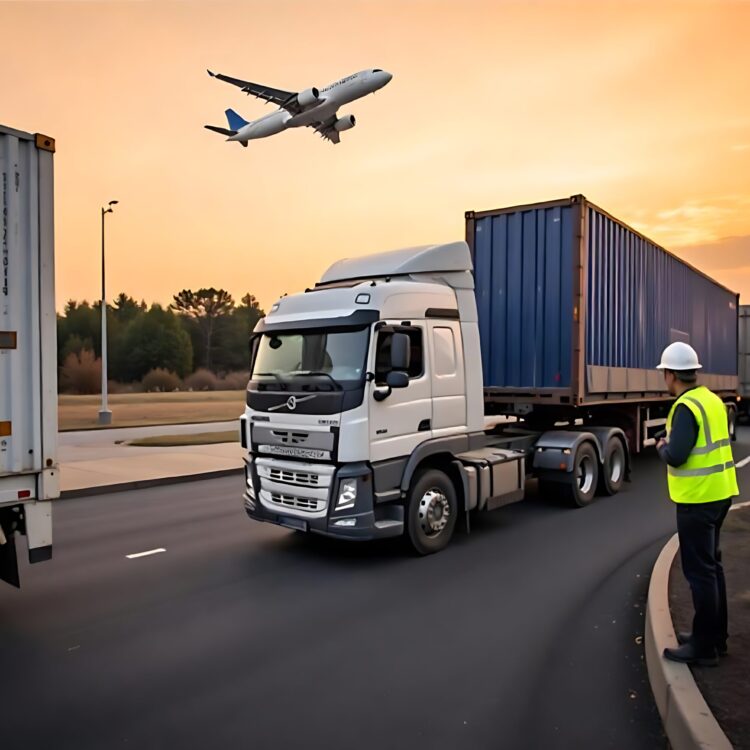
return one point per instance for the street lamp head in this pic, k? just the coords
(113, 203)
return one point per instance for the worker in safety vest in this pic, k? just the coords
(702, 483)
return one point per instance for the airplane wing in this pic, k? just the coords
(285, 99)
(326, 129)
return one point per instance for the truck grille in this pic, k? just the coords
(304, 478)
(294, 487)
(290, 438)
(299, 503)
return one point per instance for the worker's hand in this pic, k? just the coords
(662, 442)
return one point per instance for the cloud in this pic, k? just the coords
(727, 261)
(695, 222)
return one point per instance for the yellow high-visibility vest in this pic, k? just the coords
(708, 474)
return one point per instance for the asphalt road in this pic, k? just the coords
(525, 634)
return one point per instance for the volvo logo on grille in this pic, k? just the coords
(290, 403)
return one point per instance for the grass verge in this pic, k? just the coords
(200, 438)
(140, 409)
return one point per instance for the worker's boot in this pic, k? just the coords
(689, 654)
(685, 637)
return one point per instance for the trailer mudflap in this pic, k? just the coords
(9, 559)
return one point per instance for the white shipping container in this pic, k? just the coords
(29, 472)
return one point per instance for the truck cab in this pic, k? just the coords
(365, 415)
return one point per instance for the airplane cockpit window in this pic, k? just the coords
(377, 70)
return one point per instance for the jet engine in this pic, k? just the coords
(308, 98)
(347, 122)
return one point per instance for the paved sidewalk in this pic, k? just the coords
(94, 459)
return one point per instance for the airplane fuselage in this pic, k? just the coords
(331, 98)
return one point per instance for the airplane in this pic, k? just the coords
(314, 108)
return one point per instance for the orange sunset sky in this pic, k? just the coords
(643, 107)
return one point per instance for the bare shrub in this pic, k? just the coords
(234, 381)
(202, 380)
(114, 386)
(81, 373)
(160, 380)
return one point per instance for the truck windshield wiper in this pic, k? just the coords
(316, 373)
(273, 375)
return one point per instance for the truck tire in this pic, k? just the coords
(432, 511)
(732, 424)
(581, 484)
(612, 475)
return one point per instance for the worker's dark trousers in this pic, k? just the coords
(698, 527)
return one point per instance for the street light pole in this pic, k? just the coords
(105, 415)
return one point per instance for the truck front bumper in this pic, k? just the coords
(365, 521)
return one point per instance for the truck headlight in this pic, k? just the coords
(347, 494)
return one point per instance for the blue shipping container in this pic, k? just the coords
(575, 306)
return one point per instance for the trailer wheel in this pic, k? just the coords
(580, 486)
(432, 511)
(612, 475)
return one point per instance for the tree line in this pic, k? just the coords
(202, 329)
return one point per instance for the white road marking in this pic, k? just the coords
(741, 464)
(737, 506)
(144, 554)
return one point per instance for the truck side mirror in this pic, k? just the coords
(397, 379)
(400, 352)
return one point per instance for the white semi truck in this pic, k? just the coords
(29, 475)
(410, 389)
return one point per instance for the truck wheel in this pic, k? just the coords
(582, 481)
(732, 424)
(612, 475)
(432, 511)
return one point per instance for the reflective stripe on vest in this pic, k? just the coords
(708, 474)
(700, 472)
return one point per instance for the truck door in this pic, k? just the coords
(403, 420)
(448, 381)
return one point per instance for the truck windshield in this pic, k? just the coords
(331, 360)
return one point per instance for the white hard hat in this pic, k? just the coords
(679, 356)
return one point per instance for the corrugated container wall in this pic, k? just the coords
(523, 267)
(576, 306)
(28, 351)
(641, 298)
(744, 351)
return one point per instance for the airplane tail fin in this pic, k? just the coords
(235, 121)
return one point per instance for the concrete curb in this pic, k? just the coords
(142, 484)
(688, 721)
